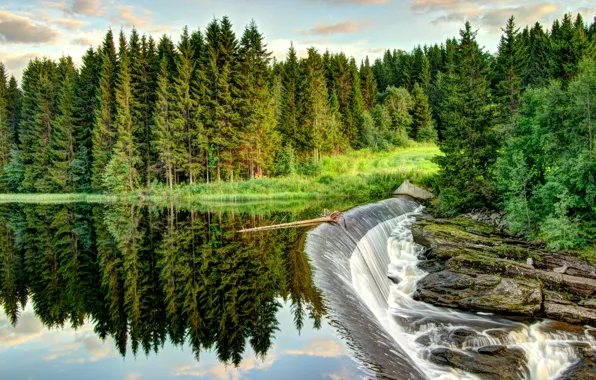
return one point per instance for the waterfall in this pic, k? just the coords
(384, 325)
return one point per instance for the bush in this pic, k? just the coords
(310, 168)
(285, 162)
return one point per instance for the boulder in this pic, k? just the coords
(416, 192)
(584, 369)
(505, 363)
(476, 267)
(480, 292)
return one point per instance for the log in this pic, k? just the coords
(333, 217)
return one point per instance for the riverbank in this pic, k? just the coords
(360, 175)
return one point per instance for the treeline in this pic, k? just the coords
(210, 108)
(148, 276)
(516, 129)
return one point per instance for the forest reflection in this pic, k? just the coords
(148, 275)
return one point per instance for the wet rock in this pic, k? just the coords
(584, 369)
(431, 266)
(556, 327)
(394, 279)
(491, 350)
(508, 364)
(480, 292)
(592, 333)
(570, 313)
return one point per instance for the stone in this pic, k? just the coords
(570, 313)
(491, 350)
(507, 364)
(589, 303)
(416, 192)
(584, 369)
(480, 292)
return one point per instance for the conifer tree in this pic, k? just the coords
(369, 86)
(355, 106)
(104, 129)
(121, 172)
(62, 139)
(288, 122)
(186, 113)
(257, 112)
(313, 106)
(163, 128)
(509, 68)
(422, 123)
(5, 127)
(469, 117)
(536, 72)
(14, 98)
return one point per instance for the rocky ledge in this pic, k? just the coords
(476, 267)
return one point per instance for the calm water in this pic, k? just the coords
(131, 292)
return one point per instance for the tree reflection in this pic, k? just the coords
(144, 276)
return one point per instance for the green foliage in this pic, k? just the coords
(285, 163)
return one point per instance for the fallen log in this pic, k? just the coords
(327, 217)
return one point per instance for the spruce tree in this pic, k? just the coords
(62, 143)
(5, 127)
(288, 122)
(469, 117)
(121, 172)
(536, 65)
(14, 98)
(163, 133)
(422, 123)
(508, 68)
(369, 85)
(355, 107)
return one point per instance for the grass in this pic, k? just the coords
(359, 175)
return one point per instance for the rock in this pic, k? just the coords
(584, 369)
(589, 303)
(591, 332)
(416, 192)
(394, 279)
(476, 267)
(491, 350)
(570, 313)
(480, 292)
(506, 364)
(556, 327)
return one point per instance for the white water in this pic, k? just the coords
(378, 256)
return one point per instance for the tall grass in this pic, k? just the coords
(358, 175)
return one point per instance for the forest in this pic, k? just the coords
(514, 127)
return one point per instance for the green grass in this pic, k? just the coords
(359, 175)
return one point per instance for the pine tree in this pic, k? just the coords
(14, 99)
(257, 112)
(469, 117)
(313, 106)
(355, 107)
(509, 68)
(62, 143)
(164, 139)
(422, 123)
(6, 135)
(288, 122)
(186, 113)
(121, 169)
(104, 129)
(536, 72)
(369, 85)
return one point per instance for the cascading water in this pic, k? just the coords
(393, 334)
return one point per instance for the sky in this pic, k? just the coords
(30, 28)
(32, 351)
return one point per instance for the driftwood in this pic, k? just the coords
(333, 217)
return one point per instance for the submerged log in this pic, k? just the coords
(327, 217)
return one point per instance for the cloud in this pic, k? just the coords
(220, 371)
(82, 41)
(93, 8)
(133, 376)
(28, 328)
(343, 27)
(358, 2)
(322, 348)
(130, 16)
(70, 24)
(18, 29)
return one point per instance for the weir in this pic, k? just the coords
(389, 332)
